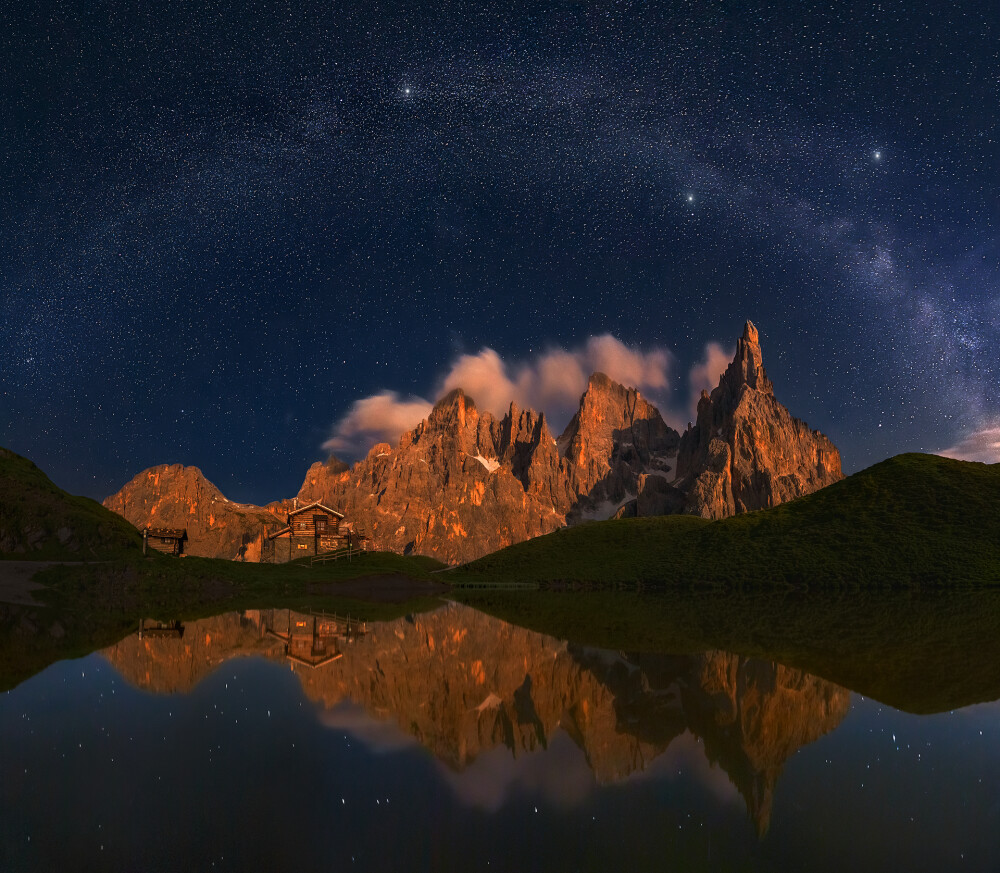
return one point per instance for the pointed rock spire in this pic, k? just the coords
(746, 451)
(747, 367)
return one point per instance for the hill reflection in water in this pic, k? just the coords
(464, 684)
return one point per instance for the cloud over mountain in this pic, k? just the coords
(551, 381)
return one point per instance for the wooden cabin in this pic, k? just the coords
(170, 541)
(313, 529)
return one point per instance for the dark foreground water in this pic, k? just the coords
(456, 741)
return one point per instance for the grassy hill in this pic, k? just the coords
(39, 521)
(910, 520)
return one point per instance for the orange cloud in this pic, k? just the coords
(379, 418)
(980, 445)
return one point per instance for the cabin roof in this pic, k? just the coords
(177, 533)
(278, 533)
(316, 505)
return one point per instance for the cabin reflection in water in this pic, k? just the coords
(311, 639)
(149, 627)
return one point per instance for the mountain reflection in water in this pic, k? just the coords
(462, 683)
(453, 740)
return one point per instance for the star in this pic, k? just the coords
(877, 155)
(690, 198)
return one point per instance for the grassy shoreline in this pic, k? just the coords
(86, 607)
(911, 521)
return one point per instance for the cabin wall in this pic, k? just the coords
(168, 546)
(302, 545)
(288, 548)
(305, 540)
(305, 523)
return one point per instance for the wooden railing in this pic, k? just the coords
(348, 553)
(352, 626)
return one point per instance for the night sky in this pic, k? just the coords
(223, 225)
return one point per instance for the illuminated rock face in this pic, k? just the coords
(462, 683)
(464, 483)
(746, 451)
(461, 484)
(616, 442)
(174, 496)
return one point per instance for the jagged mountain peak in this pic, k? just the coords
(336, 465)
(600, 386)
(176, 496)
(747, 451)
(609, 412)
(599, 381)
(454, 406)
(747, 367)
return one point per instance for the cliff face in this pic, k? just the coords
(746, 451)
(461, 484)
(462, 683)
(613, 443)
(174, 496)
(617, 457)
(464, 483)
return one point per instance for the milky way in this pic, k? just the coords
(223, 226)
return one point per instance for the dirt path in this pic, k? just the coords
(15, 581)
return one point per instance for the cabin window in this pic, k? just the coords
(320, 521)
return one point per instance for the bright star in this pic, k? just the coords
(690, 198)
(878, 156)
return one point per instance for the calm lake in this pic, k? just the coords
(455, 740)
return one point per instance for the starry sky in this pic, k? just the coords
(224, 225)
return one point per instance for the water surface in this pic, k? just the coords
(454, 740)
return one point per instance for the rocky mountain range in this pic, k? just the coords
(175, 496)
(461, 683)
(464, 483)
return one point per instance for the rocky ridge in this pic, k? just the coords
(464, 483)
(175, 496)
(746, 451)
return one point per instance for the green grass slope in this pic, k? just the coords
(39, 521)
(910, 520)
